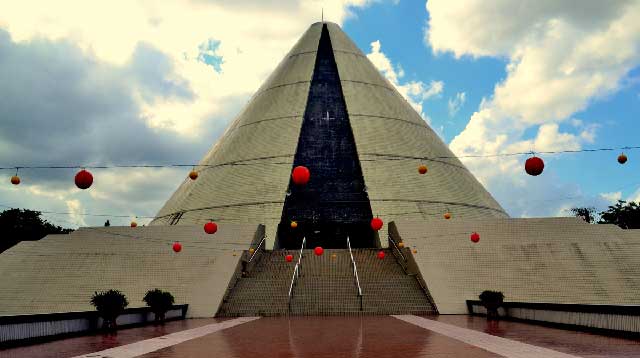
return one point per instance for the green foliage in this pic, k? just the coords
(491, 296)
(24, 225)
(587, 214)
(159, 301)
(492, 300)
(626, 215)
(109, 304)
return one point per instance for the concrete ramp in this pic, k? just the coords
(60, 272)
(554, 260)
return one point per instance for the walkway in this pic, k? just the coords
(368, 336)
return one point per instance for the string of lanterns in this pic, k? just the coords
(84, 179)
(301, 175)
(176, 246)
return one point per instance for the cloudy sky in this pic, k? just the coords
(156, 82)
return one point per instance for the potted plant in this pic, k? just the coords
(109, 304)
(492, 300)
(160, 302)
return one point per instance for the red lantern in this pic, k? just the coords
(84, 179)
(318, 251)
(289, 258)
(294, 224)
(177, 247)
(376, 224)
(15, 180)
(210, 227)
(381, 255)
(193, 175)
(534, 166)
(134, 224)
(475, 237)
(447, 216)
(300, 175)
(622, 158)
(422, 169)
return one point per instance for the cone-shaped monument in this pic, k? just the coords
(327, 107)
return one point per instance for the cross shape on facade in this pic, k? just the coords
(327, 118)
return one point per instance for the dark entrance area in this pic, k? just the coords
(334, 204)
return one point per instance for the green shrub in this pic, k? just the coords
(492, 300)
(109, 304)
(159, 301)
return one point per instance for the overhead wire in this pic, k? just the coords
(81, 214)
(247, 161)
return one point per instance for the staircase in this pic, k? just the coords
(326, 286)
(386, 288)
(265, 291)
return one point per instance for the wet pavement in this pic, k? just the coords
(566, 341)
(367, 336)
(70, 347)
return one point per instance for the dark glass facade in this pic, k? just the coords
(334, 204)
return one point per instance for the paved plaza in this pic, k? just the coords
(367, 336)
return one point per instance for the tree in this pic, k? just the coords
(626, 215)
(586, 214)
(24, 225)
(160, 302)
(109, 304)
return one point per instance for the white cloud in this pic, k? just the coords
(561, 58)
(415, 92)
(612, 197)
(635, 197)
(75, 210)
(121, 193)
(456, 103)
(253, 37)
(135, 85)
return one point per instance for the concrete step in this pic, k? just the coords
(326, 286)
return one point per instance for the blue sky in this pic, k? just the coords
(162, 86)
(399, 27)
(401, 30)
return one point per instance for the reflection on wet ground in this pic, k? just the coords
(70, 347)
(367, 336)
(566, 341)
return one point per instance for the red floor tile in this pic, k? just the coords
(86, 344)
(566, 341)
(318, 337)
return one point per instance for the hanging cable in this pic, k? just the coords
(248, 161)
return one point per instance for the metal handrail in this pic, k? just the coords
(296, 271)
(396, 247)
(258, 248)
(405, 267)
(355, 272)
